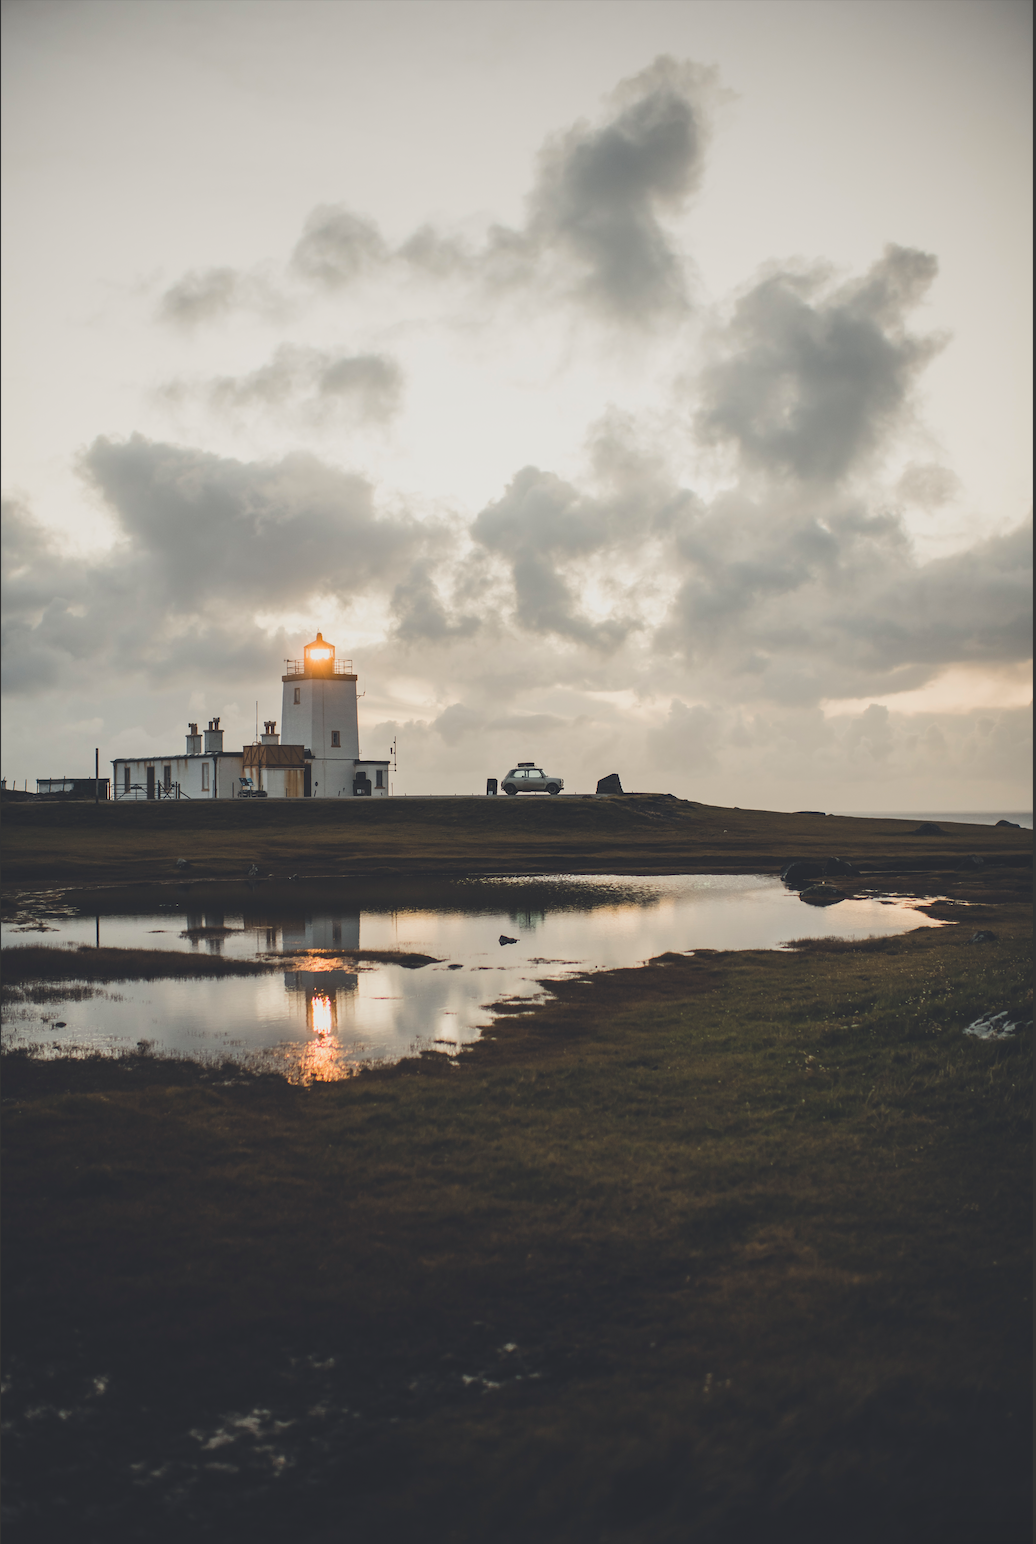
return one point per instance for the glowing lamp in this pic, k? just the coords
(320, 656)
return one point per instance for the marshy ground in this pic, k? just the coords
(731, 1246)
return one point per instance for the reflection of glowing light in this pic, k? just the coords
(323, 1015)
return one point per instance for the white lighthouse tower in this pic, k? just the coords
(319, 713)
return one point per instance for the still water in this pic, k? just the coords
(320, 1013)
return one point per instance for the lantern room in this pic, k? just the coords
(319, 657)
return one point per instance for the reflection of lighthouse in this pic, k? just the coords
(322, 986)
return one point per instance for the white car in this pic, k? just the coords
(526, 777)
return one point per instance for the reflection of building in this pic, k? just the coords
(321, 932)
(319, 757)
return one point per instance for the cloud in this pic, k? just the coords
(595, 230)
(337, 246)
(419, 611)
(809, 380)
(602, 189)
(204, 544)
(208, 294)
(540, 525)
(928, 485)
(318, 384)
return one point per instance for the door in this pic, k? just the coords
(151, 782)
(307, 783)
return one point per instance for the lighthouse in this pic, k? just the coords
(319, 713)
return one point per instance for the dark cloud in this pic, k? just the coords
(797, 608)
(595, 225)
(808, 381)
(337, 246)
(540, 525)
(420, 613)
(594, 231)
(602, 191)
(204, 542)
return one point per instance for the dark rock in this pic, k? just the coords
(800, 870)
(928, 828)
(821, 895)
(253, 872)
(610, 784)
(982, 937)
(972, 861)
(1012, 823)
(809, 812)
(505, 940)
(182, 863)
(455, 967)
(841, 866)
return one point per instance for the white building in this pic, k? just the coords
(317, 757)
(203, 771)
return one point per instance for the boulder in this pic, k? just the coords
(801, 870)
(841, 866)
(505, 940)
(821, 895)
(609, 784)
(928, 828)
(972, 861)
(1012, 823)
(982, 937)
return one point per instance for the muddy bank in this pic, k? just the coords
(24, 963)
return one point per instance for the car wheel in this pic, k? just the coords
(510, 789)
(553, 788)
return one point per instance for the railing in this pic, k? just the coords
(297, 667)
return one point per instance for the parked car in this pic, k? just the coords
(526, 777)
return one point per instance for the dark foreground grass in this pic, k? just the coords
(90, 844)
(731, 1247)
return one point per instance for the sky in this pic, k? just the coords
(623, 386)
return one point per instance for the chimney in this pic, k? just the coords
(270, 735)
(193, 740)
(213, 738)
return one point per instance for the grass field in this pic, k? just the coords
(730, 1247)
(647, 833)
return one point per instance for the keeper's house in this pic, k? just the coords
(319, 757)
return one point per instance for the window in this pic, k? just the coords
(204, 777)
(298, 695)
(167, 777)
(336, 737)
(125, 778)
(379, 779)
